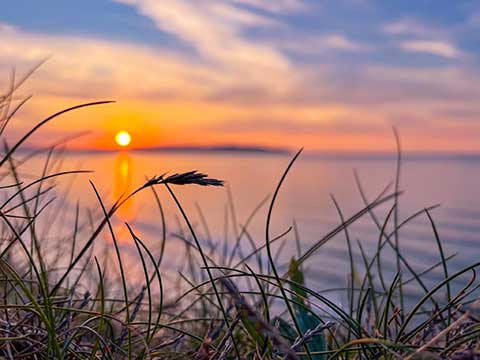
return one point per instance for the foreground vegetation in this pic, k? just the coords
(61, 302)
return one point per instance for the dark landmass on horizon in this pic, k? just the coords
(183, 148)
(218, 148)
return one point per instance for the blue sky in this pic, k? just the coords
(336, 74)
(357, 20)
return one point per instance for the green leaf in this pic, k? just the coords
(305, 318)
(252, 326)
(285, 329)
(296, 275)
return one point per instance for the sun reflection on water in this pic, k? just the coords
(123, 185)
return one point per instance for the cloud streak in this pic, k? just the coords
(215, 30)
(413, 27)
(438, 48)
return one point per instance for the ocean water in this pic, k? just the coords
(304, 201)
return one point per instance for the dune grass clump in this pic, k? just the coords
(62, 301)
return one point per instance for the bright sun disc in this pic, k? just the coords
(123, 138)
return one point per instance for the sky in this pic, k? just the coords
(320, 74)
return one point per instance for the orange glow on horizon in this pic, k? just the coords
(172, 123)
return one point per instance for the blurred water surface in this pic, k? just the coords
(305, 199)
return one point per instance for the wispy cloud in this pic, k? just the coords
(96, 74)
(408, 26)
(420, 37)
(276, 7)
(438, 48)
(341, 42)
(216, 30)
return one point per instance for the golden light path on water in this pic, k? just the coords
(122, 186)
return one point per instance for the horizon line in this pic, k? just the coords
(253, 149)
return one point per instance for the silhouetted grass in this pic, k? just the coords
(60, 301)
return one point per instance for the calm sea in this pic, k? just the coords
(304, 200)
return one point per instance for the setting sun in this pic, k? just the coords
(123, 138)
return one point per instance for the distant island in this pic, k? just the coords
(218, 148)
(198, 149)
